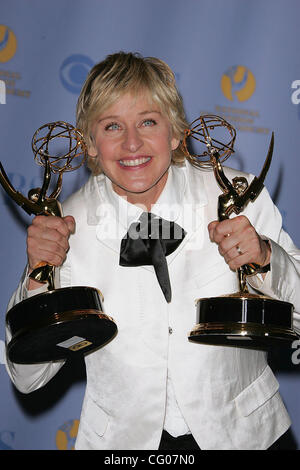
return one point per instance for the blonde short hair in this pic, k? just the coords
(127, 72)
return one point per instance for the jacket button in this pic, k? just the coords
(170, 330)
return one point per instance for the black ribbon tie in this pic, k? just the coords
(148, 242)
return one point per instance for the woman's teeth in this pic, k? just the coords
(135, 162)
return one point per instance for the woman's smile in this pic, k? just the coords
(134, 163)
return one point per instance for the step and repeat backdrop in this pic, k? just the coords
(234, 58)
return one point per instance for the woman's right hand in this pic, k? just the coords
(47, 241)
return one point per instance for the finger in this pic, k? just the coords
(52, 222)
(43, 235)
(221, 230)
(238, 242)
(248, 252)
(47, 240)
(44, 257)
(227, 227)
(227, 245)
(50, 254)
(54, 228)
(236, 255)
(238, 262)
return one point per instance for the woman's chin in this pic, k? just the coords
(131, 189)
(140, 187)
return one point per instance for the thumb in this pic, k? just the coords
(70, 221)
(211, 228)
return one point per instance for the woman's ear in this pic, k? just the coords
(92, 150)
(174, 143)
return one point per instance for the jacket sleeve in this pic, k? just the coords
(28, 377)
(283, 281)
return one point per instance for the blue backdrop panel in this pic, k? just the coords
(233, 58)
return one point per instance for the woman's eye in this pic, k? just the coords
(149, 122)
(113, 126)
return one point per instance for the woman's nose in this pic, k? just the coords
(132, 140)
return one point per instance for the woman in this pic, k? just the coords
(150, 387)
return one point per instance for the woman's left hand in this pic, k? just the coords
(239, 243)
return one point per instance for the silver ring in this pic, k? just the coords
(239, 250)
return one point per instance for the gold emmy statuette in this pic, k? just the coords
(242, 318)
(63, 322)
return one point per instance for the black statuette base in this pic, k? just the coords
(248, 321)
(58, 324)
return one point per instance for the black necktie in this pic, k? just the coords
(148, 242)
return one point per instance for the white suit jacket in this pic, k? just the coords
(228, 395)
